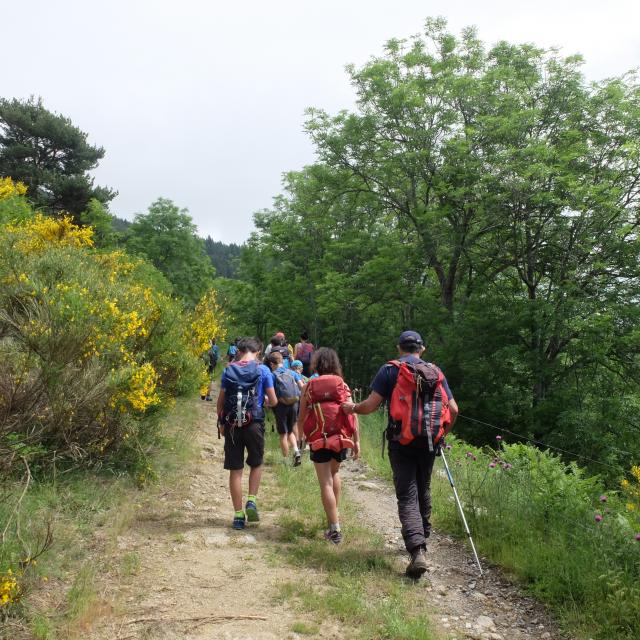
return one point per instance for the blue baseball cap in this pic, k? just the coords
(410, 338)
(296, 363)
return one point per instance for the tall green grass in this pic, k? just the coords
(359, 584)
(536, 515)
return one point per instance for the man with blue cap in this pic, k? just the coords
(412, 455)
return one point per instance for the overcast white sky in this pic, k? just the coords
(203, 101)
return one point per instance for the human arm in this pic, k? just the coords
(271, 399)
(356, 439)
(368, 405)
(220, 409)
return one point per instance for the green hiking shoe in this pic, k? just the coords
(252, 511)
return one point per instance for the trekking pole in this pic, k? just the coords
(464, 520)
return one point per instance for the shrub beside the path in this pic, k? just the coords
(94, 348)
(572, 543)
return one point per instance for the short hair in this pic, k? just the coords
(275, 358)
(304, 335)
(277, 341)
(410, 347)
(254, 345)
(325, 361)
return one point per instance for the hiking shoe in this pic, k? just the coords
(238, 522)
(252, 511)
(209, 399)
(333, 536)
(297, 460)
(417, 565)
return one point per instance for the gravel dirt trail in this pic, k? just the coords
(194, 576)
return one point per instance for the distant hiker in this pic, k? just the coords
(213, 355)
(413, 432)
(329, 431)
(232, 350)
(243, 387)
(278, 344)
(303, 352)
(286, 411)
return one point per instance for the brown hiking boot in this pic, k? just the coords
(417, 565)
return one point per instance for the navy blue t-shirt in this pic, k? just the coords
(384, 382)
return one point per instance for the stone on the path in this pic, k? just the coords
(369, 486)
(485, 623)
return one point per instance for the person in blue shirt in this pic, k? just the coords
(286, 411)
(249, 437)
(412, 464)
(296, 369)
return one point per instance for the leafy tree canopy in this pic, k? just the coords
(51, 156)
(166, 236)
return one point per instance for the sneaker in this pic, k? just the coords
(209, 399)
(252, 511)
(333, 536)
(417, 565)
(238, 522)
(297, 459)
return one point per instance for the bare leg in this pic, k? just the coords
(235, 488)
(254, 480)
(325, 478)
(284, 444)
(337, 483)
(293, 443)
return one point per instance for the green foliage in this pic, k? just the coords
(536, 515)
(92, 349)
(166, 236)
(101, 221)
(50, 155)
(478, 196)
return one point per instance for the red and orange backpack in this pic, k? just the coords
(326, 426)
(419, 403)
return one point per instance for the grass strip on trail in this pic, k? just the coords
(360, 587)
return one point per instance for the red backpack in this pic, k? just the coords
(419, 402)
(326, 426)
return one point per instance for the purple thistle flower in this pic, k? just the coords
(498, 438)
(473, 458)
(603, 498)
(447, 447)
(638, 537)
(492, 465)
(598, 517)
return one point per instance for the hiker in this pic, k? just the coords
(296, 369)
(213, 355)
(243, 387)
(278, 344)
(286, 411)
(303, 352)
(329, 431)
(413, 440)
(232, 350)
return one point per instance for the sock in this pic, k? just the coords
(334, 527)
(251, 499)
(296, 451)
(238, 514)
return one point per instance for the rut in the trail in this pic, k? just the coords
(468, 606)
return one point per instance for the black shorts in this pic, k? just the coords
(326, 455)
(237, 439)
(286, 416)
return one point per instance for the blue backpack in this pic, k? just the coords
(240, 400)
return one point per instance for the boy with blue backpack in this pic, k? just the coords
(286, 411)
(244, 387)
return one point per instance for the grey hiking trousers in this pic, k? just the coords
(412, 468)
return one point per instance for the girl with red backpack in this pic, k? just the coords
(329, 431)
